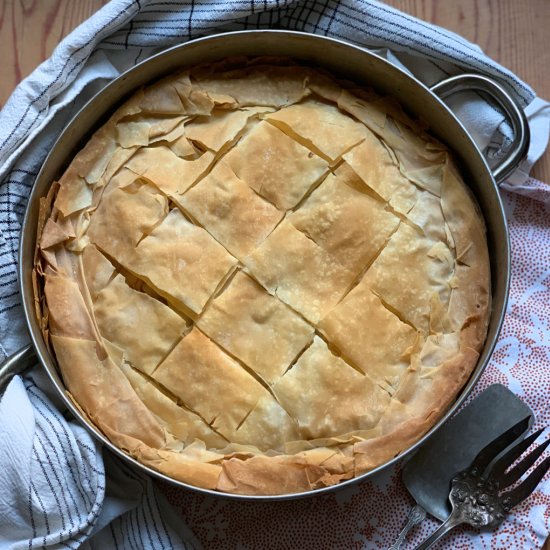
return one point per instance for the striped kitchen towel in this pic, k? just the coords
(38, 443)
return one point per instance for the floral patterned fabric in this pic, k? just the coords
(369, 515)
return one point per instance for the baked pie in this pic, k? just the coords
(261, 280)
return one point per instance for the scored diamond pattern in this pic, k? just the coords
(293, 207)
(282, 274)
(305, 237)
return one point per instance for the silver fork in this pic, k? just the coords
(477, 496)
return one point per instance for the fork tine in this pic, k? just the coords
(522, 491)
(489, 452)
(515, 473)
(511, 456)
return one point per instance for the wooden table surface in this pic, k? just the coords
(513, 32)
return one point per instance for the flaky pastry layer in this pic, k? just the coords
(259, 280)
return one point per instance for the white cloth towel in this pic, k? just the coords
(51, 472)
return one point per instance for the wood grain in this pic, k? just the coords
(30, 30)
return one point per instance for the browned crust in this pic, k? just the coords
(101, 390)
(428, 406)
(105, 394)
(471, 299)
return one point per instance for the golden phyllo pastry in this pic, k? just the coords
(258, 280)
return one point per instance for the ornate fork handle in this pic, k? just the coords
(417, 515)
(475, 501)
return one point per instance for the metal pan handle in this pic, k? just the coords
(516, 115)
(16, 364)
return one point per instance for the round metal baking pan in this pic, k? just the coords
(345, 61)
